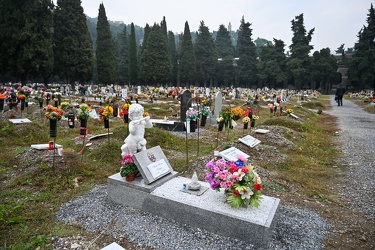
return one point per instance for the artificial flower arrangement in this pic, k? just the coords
(2, 96)
(220, 119)
(289, 111)
(53, 113)
(83, 112)
(191, 115)
(204, 110)
(239, 180)
(255, 117)
(64, 105)
(105, 112)
(237, 113)
(21, 97)
(128, 166)
(226, 114)
(246, 119)
(125, 109)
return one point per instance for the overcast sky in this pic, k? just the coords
(335, 21)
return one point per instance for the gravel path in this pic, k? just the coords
(356, 137)
(295, 229)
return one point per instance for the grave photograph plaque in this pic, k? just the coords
(249, 141)
(231, 154)
(152, 164)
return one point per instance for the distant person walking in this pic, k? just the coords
(340, 91)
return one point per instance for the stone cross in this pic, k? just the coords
(185, 103)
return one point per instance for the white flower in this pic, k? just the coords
(246, 193)
(257, 179)
(239, 174)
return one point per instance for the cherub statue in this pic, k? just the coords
(135, 141)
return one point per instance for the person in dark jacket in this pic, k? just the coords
(340, 91)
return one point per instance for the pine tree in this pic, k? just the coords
(187, 67)
(26, 38)
(105, 50)
(73, 48)
(246, 65)
(133, 61)
(299, 62)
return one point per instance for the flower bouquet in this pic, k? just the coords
(83, 112)
(53, 113)
(128, 168)
(191, 115)
(104, 114)
(289, 111)
(246, 121)
(239, 180)
(237, 113)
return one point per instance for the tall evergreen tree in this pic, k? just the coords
(187, 67)
(72, 43)
(205, 55)
(156, 64)
(174, 57)
(225, 52)
(26, 38)
(299, 62)
(122, 56)
(246, 65)
(361, 72)
(105, 49)
(133, 61)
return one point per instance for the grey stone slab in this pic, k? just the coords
(210, 211)
(185, 103)
(19, 121)
(249, 141)
(231, 154)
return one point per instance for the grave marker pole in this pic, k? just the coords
(186, 134)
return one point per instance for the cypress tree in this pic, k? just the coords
(205, 55)
(26, 38)
(323, 69)
(174, 57)
(246, 65)
(225, 51)
(105, 51)
(156, 64)
(133, 62)
(73, 48)
(187, 67)
(122, 56)
(361, 72)
(299, 61)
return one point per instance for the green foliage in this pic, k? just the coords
(187, 57)
(246, 65)
(133, 61)
(105, 51)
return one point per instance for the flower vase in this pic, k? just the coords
(136, 100)
(41, 104)
(245, 125)
(130, 177)
(1, 104)
(82, 130)
(203, 120)
(106, 123)
(115, 112)
(221, 126)
(23, 104)
(252, 123)
(56, 104)
(193, 125)
(126, 118)
(26, 104)
(52, 128)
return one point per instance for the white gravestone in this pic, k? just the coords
(231, 154)
(249, 141)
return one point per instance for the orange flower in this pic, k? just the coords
(2, 96)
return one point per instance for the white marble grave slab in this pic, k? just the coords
(249, 141)
(43, 146)
(231, 154)
(294, 116)
(19, 121)
(261, 131)
(113, 246)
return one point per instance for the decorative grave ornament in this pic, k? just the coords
(194, 184)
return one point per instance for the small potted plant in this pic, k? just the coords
(128, 168)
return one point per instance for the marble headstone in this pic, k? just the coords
(217, 108)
